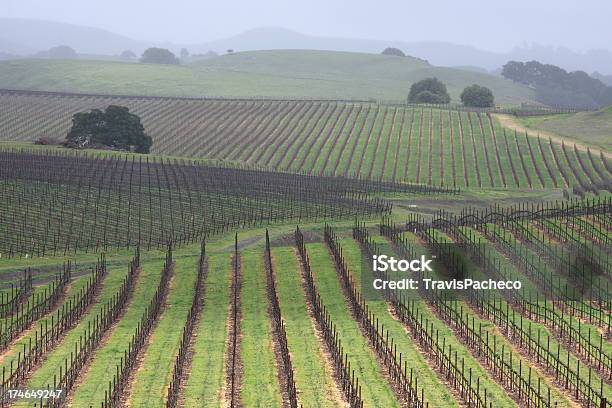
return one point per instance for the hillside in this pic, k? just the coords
(429, 146)
(28, 36)
(591, 128)
(288, 73)
(31, 36)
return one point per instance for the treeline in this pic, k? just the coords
(555, 86)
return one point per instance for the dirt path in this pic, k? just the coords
(233, 362)
(510, 122)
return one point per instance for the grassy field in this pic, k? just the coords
(591, 128)
(282, 73)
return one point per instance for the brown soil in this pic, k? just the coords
(289, 239)
(276, 343)
(234, 341)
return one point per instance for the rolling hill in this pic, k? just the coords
(285, 73)
(29, 36)
(368, 140)
(591, 128)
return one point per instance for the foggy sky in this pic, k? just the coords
(488, 24)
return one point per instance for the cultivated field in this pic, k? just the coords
(397, 143)
(232, 267)
(288, 320)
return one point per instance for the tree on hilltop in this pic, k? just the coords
(429, 90)
(477, 96)
(114, 127)
(159, 56)
(62, 52)
(393, 51)
(555, 86)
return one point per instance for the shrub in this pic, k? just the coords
(477, 96)
(429, 90)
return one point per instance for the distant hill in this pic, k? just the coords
(11, 47)
(25, 37)
(436, 52)
(29, 36)
(279, 73)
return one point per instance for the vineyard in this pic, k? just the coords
(287, 317)
(371, 141)
(233, 266)
(57, 204)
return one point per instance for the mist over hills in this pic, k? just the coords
(25, 37)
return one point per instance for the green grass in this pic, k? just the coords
(278, 73)
(315, 384)
(591, 128)
(155, 372)
(44, 375)
(438, 394)
(375, 390)
(495, 392)
(259, 383)
(533, 327)
(17, 347)
(102, 367)
(207, 376)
